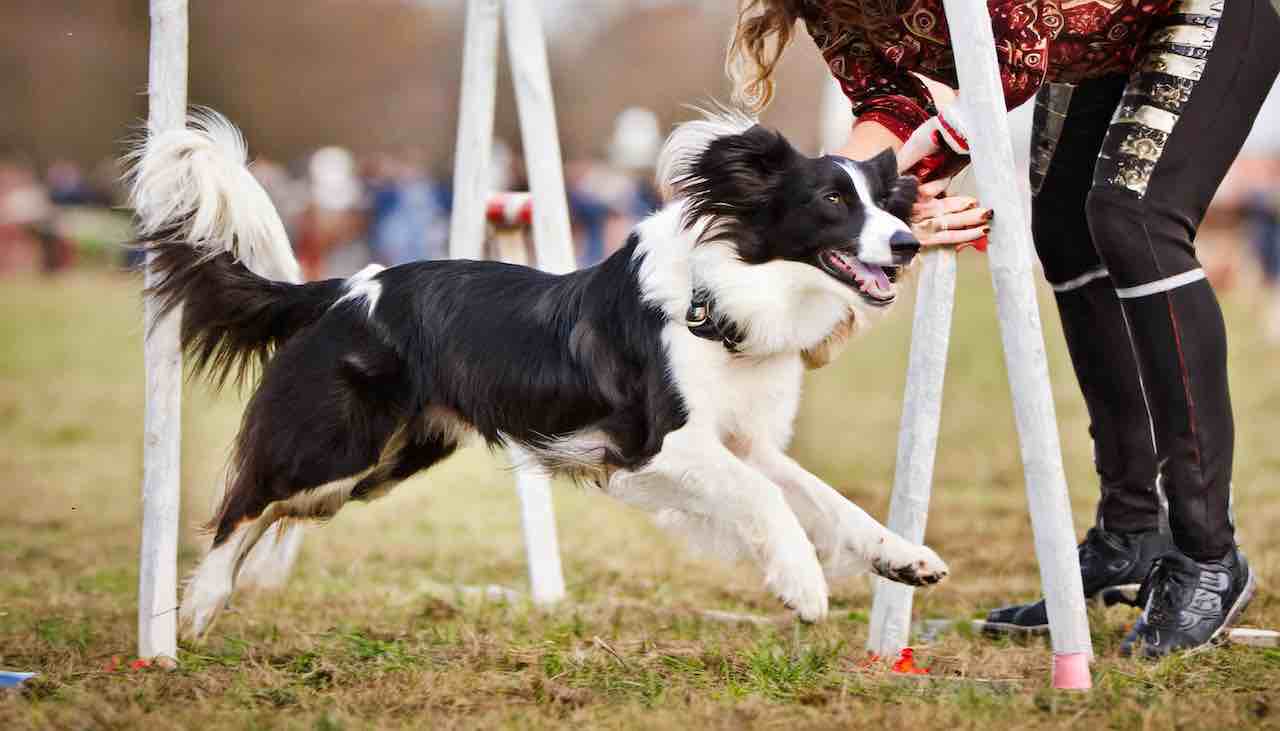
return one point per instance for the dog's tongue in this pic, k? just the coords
(873, 276)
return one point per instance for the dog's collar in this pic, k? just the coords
(702, 321)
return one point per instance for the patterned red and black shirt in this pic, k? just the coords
(1036, 41)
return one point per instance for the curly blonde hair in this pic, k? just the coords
(762, 33)
(760, 36)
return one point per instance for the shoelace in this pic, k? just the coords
(1173, 577)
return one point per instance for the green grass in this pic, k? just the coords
(370, 633)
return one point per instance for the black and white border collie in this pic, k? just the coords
(598, 373)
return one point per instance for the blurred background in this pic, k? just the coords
(350, 110)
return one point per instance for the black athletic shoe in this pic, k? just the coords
(1188, 603)
(1112, 567)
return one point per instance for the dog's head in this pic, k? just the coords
(752, 189)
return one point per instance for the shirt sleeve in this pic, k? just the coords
(878, 90)
(881, 89)
(1023, 30)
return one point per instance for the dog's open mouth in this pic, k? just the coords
(874, 283)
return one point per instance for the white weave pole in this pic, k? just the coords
(835, 118)
(921, 405)
(162, 435)
(473, 154)
(552, 242)
(1011, 273)
(527, 52)
(917, 441)
(538, 519)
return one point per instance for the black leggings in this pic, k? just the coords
(1122, 172)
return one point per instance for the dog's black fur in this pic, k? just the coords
(513, 352)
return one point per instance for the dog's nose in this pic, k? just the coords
(903, 246)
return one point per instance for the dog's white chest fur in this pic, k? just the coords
(744, 399)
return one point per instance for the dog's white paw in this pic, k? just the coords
(208, 590)
(798, 581)
(910, 564)
(198, 611)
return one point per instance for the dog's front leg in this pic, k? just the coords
(697, 481)
(848, 540)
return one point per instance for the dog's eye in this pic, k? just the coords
(834, 198)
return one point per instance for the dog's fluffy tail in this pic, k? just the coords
(194, 184)
(218, 248)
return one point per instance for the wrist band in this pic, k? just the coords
(958, 140)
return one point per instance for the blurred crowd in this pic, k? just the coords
(342, 210)
(1243, 225)
(53, 217)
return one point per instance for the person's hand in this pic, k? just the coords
(938, 219)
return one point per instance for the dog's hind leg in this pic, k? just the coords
(225, 565)
(849, 541)
(270, 562)
(210, 587)
(696, 482)
(329, 405)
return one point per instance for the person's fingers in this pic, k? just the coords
(943, 206)
(932, 189)
(971, 218)
(951, 237)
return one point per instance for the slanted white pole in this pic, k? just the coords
(474, 152)
(917, 441)
(550, 215)
(527, 50)
(553, 247)
(921, 404)
(836, 118)
(511, 215)
(1011, 273)
(538, 519)
(162, 435)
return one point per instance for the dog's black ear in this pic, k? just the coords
(899, 190)
(734, 177)
(885, 165)
(901, 196)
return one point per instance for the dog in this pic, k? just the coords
(668, 375)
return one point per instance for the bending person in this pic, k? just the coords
(1140, 111)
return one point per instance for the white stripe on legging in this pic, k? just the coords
(1160, 285)
(1080, 281)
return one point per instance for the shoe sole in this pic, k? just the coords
(1109, 596)
(999, 629)
(1241, 603)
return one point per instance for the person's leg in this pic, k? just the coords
(1065, 146)
(1189, 105)
(1070, 124)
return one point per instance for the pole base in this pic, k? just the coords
(1071, 671)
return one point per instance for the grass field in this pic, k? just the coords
(370, 635)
